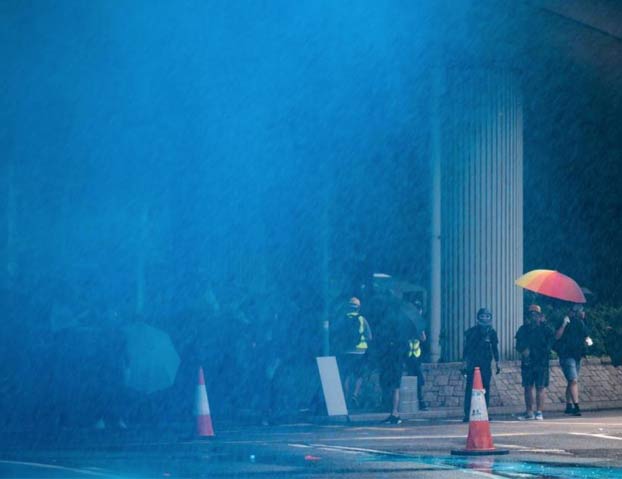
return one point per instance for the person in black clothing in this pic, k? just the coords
(572, 338)
(391, 339)
(481, 346)
(534, 340)
(415, 355)
(350, 342)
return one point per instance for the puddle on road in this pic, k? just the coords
(504, 468)
(511, 469)
(314, 457)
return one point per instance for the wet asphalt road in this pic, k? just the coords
(560, 447)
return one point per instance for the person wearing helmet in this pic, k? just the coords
(534, 340)
(350, 343)
(481, 346)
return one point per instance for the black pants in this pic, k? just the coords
(413, 368)
(486, 372)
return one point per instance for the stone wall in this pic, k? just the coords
(600, 386)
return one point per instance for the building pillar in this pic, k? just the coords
(482, 203)
(10, 266)
(435, 233)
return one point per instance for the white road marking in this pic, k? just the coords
(456, 436)
(564, 421)
(558, 422)
(601, 436)
(344, 451)
(533, 449)
(596, 424)
(356, 449)
(57, 468)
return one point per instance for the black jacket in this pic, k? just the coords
(481, 346)
(572, 343)
(539, 339)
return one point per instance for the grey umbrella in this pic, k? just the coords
(151, 356)
(409, 310)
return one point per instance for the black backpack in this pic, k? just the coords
(346, 335)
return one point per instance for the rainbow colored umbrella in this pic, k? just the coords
(553, 284)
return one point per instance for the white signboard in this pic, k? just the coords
(331, 385)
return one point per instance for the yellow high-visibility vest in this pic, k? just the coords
(414, 348)
(362, 340)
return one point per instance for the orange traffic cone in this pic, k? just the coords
(201, 409)
(479, 440)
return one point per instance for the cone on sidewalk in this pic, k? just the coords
(201, 409)
(479, 440)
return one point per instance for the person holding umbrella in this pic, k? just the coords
(572, 338)
(533, 341)
(572, 335)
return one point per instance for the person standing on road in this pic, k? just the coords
(481, 346)
(391, 343)
(414, 356)
(572, 338)
(534, 340)
(351, 342)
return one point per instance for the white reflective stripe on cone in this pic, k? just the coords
(201, 403)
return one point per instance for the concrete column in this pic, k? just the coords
(435, 233)
(482, 203)
(326, 255)
(141, 259)
(11, 223)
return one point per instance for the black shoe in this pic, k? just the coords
(392, 420)
(569, 409)
(423, 406)
(576, 411)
